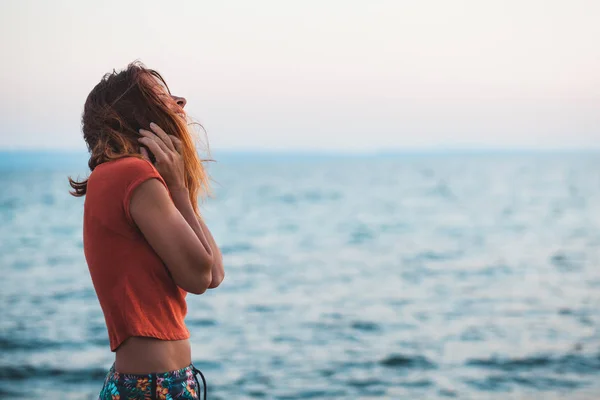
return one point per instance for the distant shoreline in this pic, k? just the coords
(333, 153)
(73, 161)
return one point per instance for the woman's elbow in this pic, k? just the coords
(200, 278)
(200, 284)
(217, 278)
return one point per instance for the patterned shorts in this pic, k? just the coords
(181, 385)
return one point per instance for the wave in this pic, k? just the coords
(27, 372)
(365, 326)
(402, 361)
(12, 344)
(573, 363)
(504, 382)
(236, 248)
(194, 322)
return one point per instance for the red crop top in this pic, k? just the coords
(134, 287)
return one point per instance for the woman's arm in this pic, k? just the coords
(218, 272)
(171, 236)
(167, 225)
(182, 202)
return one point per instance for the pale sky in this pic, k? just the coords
(329, 75)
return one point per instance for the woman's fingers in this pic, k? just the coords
(144, 153)
(177, 143)
(162, 135)
(154, 147)
(155, 138)
(169, 162)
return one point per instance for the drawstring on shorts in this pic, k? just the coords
(196, 372)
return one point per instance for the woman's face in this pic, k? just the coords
(175, 103)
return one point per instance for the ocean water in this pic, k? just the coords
(397, 277)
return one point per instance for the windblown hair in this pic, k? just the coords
(115, 110)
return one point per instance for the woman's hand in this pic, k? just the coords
(167, 151)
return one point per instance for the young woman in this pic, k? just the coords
(145, 243)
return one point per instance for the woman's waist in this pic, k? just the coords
(145, 355)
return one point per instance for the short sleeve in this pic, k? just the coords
(137, 171)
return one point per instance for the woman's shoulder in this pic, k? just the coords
(125, 169)
(126, 162)
(125, 165)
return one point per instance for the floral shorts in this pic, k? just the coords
(177, 385)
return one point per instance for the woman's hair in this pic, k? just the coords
(115, 110)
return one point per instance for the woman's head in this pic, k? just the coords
(121, 104)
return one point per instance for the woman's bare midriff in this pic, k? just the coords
(143, 355)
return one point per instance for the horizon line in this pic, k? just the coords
(342, 152)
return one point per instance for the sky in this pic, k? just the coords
(326, 75)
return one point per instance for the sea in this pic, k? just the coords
(459, 275)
